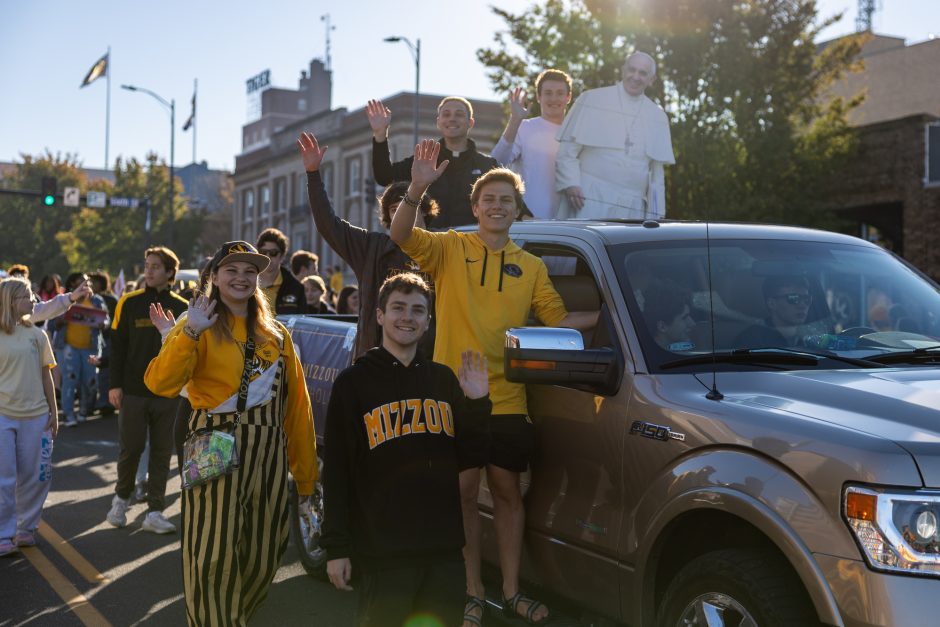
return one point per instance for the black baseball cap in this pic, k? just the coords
(239, 251)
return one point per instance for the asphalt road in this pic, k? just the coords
(86, 572)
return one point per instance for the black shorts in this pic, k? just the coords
(512, 441)
(473, 447)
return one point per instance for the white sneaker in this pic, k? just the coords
(157, 523)
(70, 421)
(140, 492)
(117, 516)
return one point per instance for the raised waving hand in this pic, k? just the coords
(519, 106)
(310, 151)
(473, 375)
(380, 118)
(424, 168)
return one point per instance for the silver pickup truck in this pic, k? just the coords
(751, 435)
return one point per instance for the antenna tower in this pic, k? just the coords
(329, 28)
(866, 8)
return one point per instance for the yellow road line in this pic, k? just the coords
(79, 563)
(76, 601)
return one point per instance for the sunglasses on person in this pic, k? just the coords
(796, 299)
(270, 252)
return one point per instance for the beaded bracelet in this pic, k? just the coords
(409, 201)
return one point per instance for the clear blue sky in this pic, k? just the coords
(49, 45)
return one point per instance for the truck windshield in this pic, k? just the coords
(820, 298)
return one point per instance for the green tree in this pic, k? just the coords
(742, 81)
(62, 239)
(28, 227)
(115, 237)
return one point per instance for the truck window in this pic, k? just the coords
(576, 284)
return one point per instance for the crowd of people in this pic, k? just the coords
(413, 424)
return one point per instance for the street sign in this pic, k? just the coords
(96, 199)
(70, 196)
(130, 203)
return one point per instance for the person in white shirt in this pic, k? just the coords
(528, 146)
(614, 144)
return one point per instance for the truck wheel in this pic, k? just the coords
(306, 520)
(740, 587)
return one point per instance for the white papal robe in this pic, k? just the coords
(614, 146)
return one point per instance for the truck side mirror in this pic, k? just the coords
(556, 356)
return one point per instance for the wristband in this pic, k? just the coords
(410, 202)
(191, 333)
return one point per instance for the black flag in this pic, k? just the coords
(192, 116)
(98, 70)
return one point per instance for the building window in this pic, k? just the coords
(354, 177)
(932, 175)
(265, 200)
(280, 194)
(326, 173)
(299, 236)
(294, 192)
(301, 104)
(248, 205)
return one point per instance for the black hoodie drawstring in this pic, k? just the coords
(502, 262)
(502, 265)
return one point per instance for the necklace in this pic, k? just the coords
(628, 143)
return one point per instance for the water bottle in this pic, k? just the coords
(45, 456)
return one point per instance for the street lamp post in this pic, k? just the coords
(415, 50)
(171, 105)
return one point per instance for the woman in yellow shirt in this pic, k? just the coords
(235, 527)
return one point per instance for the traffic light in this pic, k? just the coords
(48, 190)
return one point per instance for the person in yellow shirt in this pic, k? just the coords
(486, 284)
(79, 338)
(336, 280)
(235, 527)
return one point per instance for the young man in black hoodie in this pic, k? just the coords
(452, 189)
(394, 426)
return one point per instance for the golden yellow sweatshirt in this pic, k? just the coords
(211, 370)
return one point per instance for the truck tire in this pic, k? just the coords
(305, 528)
(740, 587)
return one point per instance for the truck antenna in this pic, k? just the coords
(713, 393)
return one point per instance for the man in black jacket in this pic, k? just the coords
(134, 342)
(452, 189)
(396, 425)
(285, 294)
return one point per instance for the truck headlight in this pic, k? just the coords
(898, 531)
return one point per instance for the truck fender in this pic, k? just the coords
(750, 509)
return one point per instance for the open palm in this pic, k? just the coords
(380, 117)
(424, 168)
(473, 375)
(311, 151)
(518, 104)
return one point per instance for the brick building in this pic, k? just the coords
(270, 183)
(891, 192)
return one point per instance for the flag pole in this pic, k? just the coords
(195, 126)
(107, 114)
